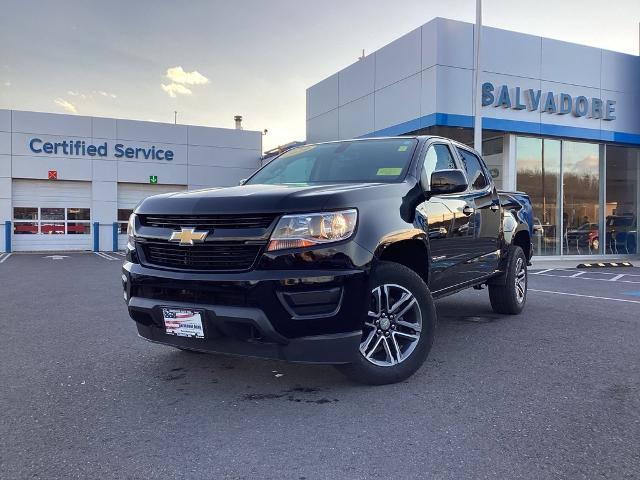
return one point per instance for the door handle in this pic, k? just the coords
(467, 210)
(494, 207)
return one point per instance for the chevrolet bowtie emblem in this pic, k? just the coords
(188, 236)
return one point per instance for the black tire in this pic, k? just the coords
(503, 293)
(394, 327)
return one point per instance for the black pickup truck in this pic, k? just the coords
(330, 253)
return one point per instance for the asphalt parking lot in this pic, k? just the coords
(552, 393)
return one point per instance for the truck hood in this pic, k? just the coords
(268, 198)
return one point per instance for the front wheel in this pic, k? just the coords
(510, 294)
(398, 330)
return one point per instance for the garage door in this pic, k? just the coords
(51, 215)
(129, 195)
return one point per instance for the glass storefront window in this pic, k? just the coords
(25, 228)
(25, 213)
(52, 213)
(621, 205)
(49, 228)
(538, 174)
(78, 214)
(78, 228)
(580, 198)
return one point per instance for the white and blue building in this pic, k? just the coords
(69, 182)
(560, 121)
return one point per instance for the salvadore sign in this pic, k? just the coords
(547, 102)
(79, 148)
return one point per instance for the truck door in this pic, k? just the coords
(482, 205)
(437, 218)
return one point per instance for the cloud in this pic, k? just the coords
(89, 96)
(68, 106)
(106, 94)
(76, 94)
(7, 83)
(174, 89)
(178, 75)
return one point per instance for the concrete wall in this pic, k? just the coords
(425, 78)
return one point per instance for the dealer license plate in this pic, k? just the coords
(183, 322)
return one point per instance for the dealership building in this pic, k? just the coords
(561, 121)
(69, 182)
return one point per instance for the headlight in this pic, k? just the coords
(131, 228)
(309, 229)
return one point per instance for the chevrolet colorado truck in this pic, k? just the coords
(330, 253)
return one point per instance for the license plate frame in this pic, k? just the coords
(183, 322)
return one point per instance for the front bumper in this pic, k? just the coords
(310, 316)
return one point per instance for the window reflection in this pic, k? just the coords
(538, 174)
(581, 189)
(621, 224)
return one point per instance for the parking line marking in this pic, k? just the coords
(542, 271)
(105, 256)
(576, 274)
(590, 272)
(617, 277)
(589, 278)
(122, 254)
(4, 256)
(585, 296)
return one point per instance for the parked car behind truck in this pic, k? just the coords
(331, 253)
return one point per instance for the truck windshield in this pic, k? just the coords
(353, 161)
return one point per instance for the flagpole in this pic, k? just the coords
(477, 97)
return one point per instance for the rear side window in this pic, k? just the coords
(475, 173)
(438, 157)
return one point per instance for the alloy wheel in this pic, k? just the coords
(521, 280)
(392, 329)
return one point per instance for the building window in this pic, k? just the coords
(581, 201)
(123, 219)
(23, 220)
(549, 170)
(621, 205)
(51, 221)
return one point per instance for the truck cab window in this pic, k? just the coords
(438, 157)
(475, 173)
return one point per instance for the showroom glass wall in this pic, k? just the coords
(579, 190)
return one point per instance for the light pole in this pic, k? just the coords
(175, 116)
(477, 97)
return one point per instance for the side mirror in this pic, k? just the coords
(447, 181)
(242, 182)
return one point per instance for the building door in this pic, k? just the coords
(51, 215)
(129, 195)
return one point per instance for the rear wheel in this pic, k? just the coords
(510, 295)
(399, 328)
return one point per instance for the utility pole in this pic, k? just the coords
(477, 97)
(175, 116)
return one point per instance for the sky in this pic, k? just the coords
(210, 60)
